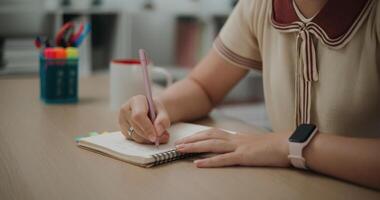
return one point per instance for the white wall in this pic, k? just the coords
(174, 6)
(155, 32)
(155, 29)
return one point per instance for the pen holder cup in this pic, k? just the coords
(59, 80)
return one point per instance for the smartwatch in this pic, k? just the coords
(301, 137)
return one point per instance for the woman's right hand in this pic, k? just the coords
(134, 113)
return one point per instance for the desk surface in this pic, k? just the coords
(39, 159)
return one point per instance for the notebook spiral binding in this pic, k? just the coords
(169, 156)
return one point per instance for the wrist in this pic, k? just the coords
(298, 142)
(165, 103)
(309, 150)
(283, 148)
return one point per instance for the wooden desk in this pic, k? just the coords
(39, 159)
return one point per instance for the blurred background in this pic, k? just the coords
(176, 33)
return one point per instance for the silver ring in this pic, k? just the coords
(131, 131)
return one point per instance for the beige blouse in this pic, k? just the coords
(324, 70)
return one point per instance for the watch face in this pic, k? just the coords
(302, 133)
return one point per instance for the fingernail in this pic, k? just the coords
(152, 138)
(180, 146)
(197, 163)
(160, 129)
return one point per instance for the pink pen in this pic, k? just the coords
(148, 90)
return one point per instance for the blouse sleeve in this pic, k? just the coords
(237, 41)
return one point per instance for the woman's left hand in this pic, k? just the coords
(269, 149)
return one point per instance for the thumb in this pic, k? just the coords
(161, 123)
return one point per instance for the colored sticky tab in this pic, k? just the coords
(78, 138)
(105, 132)
(72, 52)
(90, 134)
(93, 133)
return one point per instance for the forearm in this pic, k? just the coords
(352, 159)
(204, 87)
(186, 100)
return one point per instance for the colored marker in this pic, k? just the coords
(72, 53)
(60, 53)
(84, 34)
(49, 53)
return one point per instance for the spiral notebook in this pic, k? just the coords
(115, 145)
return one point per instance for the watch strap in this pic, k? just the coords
(295, 152)
(295, 155)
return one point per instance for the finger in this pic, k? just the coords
(124, 125)
(164, 138)
(203, 135)
(227, 159)
(139, 117)
(138, 135)
(210, 145)
(162, 121)
(135, 136)
(123, 118)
